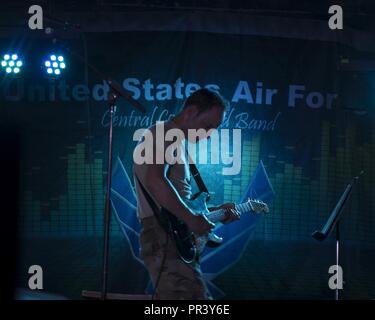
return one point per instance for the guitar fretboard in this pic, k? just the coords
(219, 215)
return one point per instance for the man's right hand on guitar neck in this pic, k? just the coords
(199, 224)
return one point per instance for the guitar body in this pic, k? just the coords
(189, 245)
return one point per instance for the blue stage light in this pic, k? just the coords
(54, 64)
(11, 63)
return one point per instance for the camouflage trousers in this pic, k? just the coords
(174, 279)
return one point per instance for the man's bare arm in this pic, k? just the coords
(158, 185)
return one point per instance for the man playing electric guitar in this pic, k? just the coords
(169, 186)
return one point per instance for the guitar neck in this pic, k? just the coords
(219, 215)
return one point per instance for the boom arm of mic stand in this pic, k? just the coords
(113, 85)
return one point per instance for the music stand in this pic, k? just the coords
(334, 222)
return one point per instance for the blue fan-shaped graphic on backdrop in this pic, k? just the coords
(213, 261)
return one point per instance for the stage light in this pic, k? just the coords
(54, 64)
(11, 63)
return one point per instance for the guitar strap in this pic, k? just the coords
(154, 207)
(198, 179)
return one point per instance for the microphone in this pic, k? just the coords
(120, 91)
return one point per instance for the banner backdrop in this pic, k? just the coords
(310, 123)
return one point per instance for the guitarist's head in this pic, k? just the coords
(203, 110)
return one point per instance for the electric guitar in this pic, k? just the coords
(190, 245)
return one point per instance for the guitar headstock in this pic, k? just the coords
(258, 206)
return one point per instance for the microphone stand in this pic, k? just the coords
(113, 94)
(112, 98)
(333, 222)
(115, 90)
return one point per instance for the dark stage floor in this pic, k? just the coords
(267, 270)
